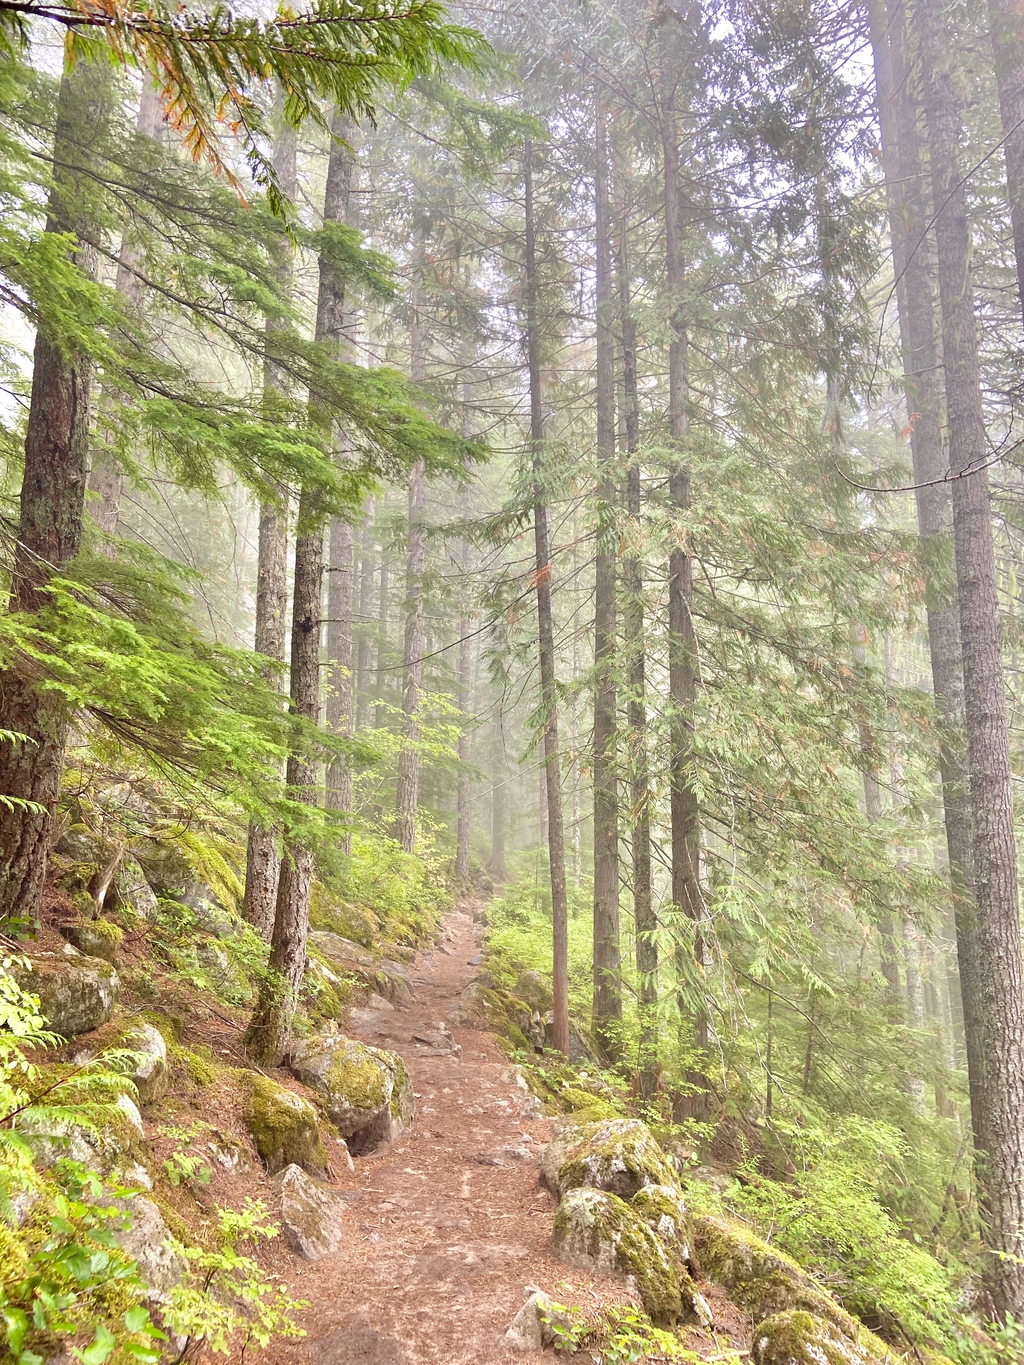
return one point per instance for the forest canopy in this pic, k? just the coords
(556, 461)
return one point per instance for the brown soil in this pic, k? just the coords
(440, 1249)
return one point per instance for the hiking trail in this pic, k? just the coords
(440, 1243)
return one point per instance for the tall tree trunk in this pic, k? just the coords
(1001, 1129)
(363, 643)
(496, 866)
(337, 333)
(644, 917)
(909, 218)
(607, 960)
(262, 854)
(1006, 25)
(270, 1027)
(106, 477)
(546, 636)
(407, 796)
(383, 617)
(682, 645)
(462, 801)
(52, 509)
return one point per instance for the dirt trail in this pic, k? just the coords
(439, 1247)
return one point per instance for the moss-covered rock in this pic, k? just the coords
(387, 978)
(760, 1278)
(597, 1231)
(130, 892)
(618, 1155)
(76, 994)
(366, 1091)
(94, 937)
(283, 1126)
(147, 1239)
(663, 1209)
(313, 1218)
(111, 1141)
(800, 1338)
(151, 1073)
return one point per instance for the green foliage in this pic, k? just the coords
(830, 1216)
(229, 1298)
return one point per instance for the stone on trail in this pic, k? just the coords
(312, 1217)
(799, 1338)
(599, 1232)
(617, 1155)
(283, 1126)
(366, 1091)
(536, 1324)
(76, 994)
(503, 1156)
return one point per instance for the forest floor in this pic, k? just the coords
(440, 1244)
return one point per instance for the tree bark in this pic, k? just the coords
(645, 919)
(52, 510)
(909, 217)
(334, 329)
(1000, 1164)
(363, 642)
(1006, 26)
(496, 866)
(607, 1006)
(383, 614)
(546, 636)
(270, 1027)
(462, 802)
(407, 796)
(684, 813)
(262, 854)
(106, 477)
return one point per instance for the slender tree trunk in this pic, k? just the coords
(106, 477)
(407, 795)
(1006, 25)
(52, 509)
(383, 610)
(337, 332)
(496, 866)
(546, 637)
(1001, 1129)
(576, 829)
(909, 217)
(338, 709)
(683, 808)
(644, 917)
(363, 642)
(271, 1024)
(607, 960)
(270, 1027)
(262, 854)
(462, 802)
(407, 798)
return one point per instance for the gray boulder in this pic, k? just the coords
(799, 1338)
(283, 1126)
(151, 1074)
(617, 1155)
(366, 1091)
(147, 1240)
(112, 1143)
(94, 937)
(76, 994)
(537, 1324)
(599, 1232)
(131, 890)
(312, 1217)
